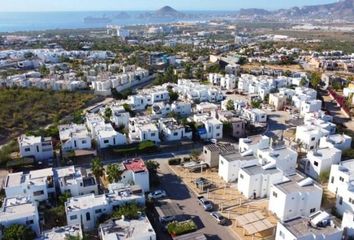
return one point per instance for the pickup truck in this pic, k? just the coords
(207, 205)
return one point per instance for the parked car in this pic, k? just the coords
(218, 217)
(157, 194)
(202, 183)
(207, 205)
(167, 219)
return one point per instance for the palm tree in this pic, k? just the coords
(97, 168)
(114, 173)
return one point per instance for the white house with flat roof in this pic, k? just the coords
(295, 197)
(37, 185)
(87, 209)
(255, 115)
(320, 160)
(123, 229)
(143, 129)
(309, 136)
(231, 163)
(341, 175)
(251, 144)
(38, 147)
(75, 181)
(318, 226)
(60, 233)
(255, 181)
(20, 210)
(182, 108)
(172, 131)
(120, 117)
(310, 106)
(339, 141)
(106, 136)
(74, 137)
(214, 128)
(348, 224)
(284, 158)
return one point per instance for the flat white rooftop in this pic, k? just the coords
(15, 208)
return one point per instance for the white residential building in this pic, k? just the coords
(75, 181)
(86, 209)
(298, 196)
(136, 172)
(277, 100)
(339, 141)
(106, 136)
(119, 116)
(160, 110)
(319, 161)
(123, 229)
(37, 185)
(283, 157)
(251, 144)
(319, 226)
(255, 181)
(182, 108)
(74, 137)
(206, 107)
(348, 223)
(38, 147)
(143, 129)
(172, 131)
(231, 163)
(20, 210)
(310, 106)
(214, 128)
(60, 233)
(255, 115)
(309, 136)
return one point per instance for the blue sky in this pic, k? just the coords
(85, 5)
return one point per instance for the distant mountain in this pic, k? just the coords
(253, 11)
(164, 12)
(343, 9)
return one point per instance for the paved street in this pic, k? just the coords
(186, 199)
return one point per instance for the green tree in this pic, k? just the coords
(44, 71)
(113, 173)
(63, 198)
(187, 71)
(97, 168)
(129, 211)
(256, 103)
(152, 166)
(195, 155)
(230, 105)
(173, 95)
(18, 232)
(303, 82)
(315, 80)
(199, 74)
(108, 113)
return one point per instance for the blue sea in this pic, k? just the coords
(38, 21)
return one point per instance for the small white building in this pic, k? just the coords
(231, 163)
(87, 209)
(251, 144)
(318, 226)
(160, 109)
(143, 129)
(339, 141)
(182, 108)
(38, 147)
(75, 181)
(106, 136)
(136, 172)
(37, 185)
(120, 117)
(295, 197)
(255, 115)
(319, 161)
(255, 181)
(123, 229)
(172, 131)
(74, 137)
(277, 100)
(284, 158)
(60, 233)
(214, 128)
(20, 210)
(310, 106)
(348, 223)
(309, 136)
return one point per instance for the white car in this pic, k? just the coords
(157, 194)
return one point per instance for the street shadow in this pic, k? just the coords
(175, 188)
(198, 221)
(212, 237)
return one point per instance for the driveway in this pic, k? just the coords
(177, 192)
